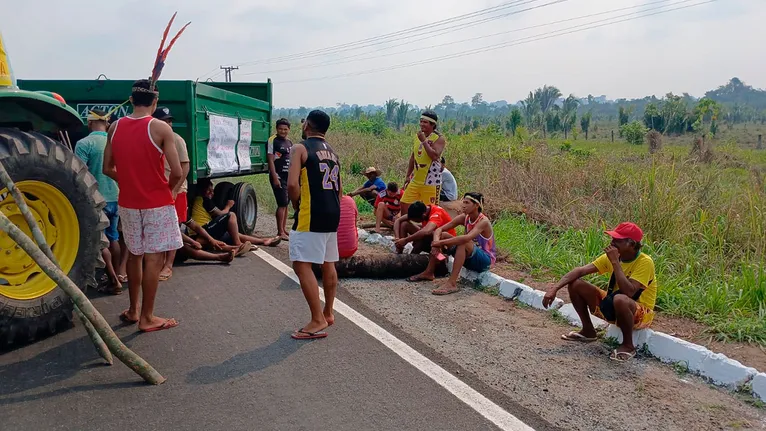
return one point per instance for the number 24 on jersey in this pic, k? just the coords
(330, 180)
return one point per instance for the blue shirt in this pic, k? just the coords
(90, 150)
(379, 184)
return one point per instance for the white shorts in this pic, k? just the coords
(153, 230)
(314, 247)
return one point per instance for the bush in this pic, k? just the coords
(633, 132)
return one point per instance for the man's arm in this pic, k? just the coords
(570, 277)
(410, 168)
(462, 239)
(435, 149)
(427, 230)
(626, 285)
(168, 144)
(204, 235)
(297, 159)
(109, 169)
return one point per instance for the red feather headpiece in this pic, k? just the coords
(162, 52)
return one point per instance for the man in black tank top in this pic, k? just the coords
(314, 187)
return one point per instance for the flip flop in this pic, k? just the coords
(122, 278)
(166, 277)
(243, 249)
(416, 279)
(275, 242)
(167, 324)
(124, 318)
(305, 335)
(622, 356)
(576, 336)
(442, 292)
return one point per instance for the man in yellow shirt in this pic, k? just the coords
(424, 172)
(630, 297)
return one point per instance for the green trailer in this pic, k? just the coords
(226, 126)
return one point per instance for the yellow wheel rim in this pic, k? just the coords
(20, 277)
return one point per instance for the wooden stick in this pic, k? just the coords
(82, 304)
(129, 358)
(5, 179)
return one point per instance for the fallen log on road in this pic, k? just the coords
(383, 266)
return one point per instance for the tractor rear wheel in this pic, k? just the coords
(246, 207)
(63, 197)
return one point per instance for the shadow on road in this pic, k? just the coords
(246, 363)
(288, 285)
(50, 367)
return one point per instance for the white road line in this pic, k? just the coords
(494, 413)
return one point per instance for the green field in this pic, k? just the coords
(703, 215)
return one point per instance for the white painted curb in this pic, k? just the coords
(715, 367)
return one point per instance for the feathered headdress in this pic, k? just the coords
(162, 52)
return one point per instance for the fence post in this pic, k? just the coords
(612, 135)
(760, 142)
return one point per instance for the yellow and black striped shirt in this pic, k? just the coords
(319, 209)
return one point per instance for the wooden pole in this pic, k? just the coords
(383, 266)
(82, 304)
(760, 142)
(612, 135)
(5, 180)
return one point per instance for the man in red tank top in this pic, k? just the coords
(136, 149)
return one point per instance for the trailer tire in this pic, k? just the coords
(63, 196)
(245, 207)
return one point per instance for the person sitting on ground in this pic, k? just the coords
(193, 249)
(221, 224)
(449, 185)
(475, 250)
(387, 206)
(348, 236)
(629, 299)
(374, 185)
(430, 217)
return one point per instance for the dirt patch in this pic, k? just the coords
(518, 351)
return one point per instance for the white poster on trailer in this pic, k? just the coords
(222, 147)
(243, 147)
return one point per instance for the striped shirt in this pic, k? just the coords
(392, 203)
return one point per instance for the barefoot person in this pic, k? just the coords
(221, 224)
(315, 190)
(387, 206)
(90, 150)
(179, 193)
(425, 164)
(475, 250)
(430, 217)
(136, 149)
(278, 155)
(629, 298)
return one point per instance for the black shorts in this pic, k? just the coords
(218, 228)
(280, 194)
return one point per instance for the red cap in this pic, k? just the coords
(626, 230)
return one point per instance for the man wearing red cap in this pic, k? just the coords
(629, 298)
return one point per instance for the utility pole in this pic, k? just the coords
(228, 70)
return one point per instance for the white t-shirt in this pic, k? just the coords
(449, 185)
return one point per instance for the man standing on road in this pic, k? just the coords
(629, 298)
(136, 149)
(425, 164)
(314, 186)
(90, 150)
(278, 154)
(179, 192)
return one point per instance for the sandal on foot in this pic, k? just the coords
(243, 249)
(418, 279)
(166, 276)
(576, 336)
(124, 318)
(442, 291)
(305, 335)
(167, 324)
(622, 356)
(122, 278)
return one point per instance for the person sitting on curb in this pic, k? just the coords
(370, 189)
(387, 206)
(475, 250)
(448, 192)
(221, 224)
(430, 218)
(630, 296)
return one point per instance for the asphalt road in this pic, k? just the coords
(231, 365)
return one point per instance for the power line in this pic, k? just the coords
(542, 36)
(227, 70)
(355, 58)
(402, 34)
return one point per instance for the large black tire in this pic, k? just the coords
(245, 207)
(222, 193)
(32, 156)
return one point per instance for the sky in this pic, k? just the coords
(690, 50)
